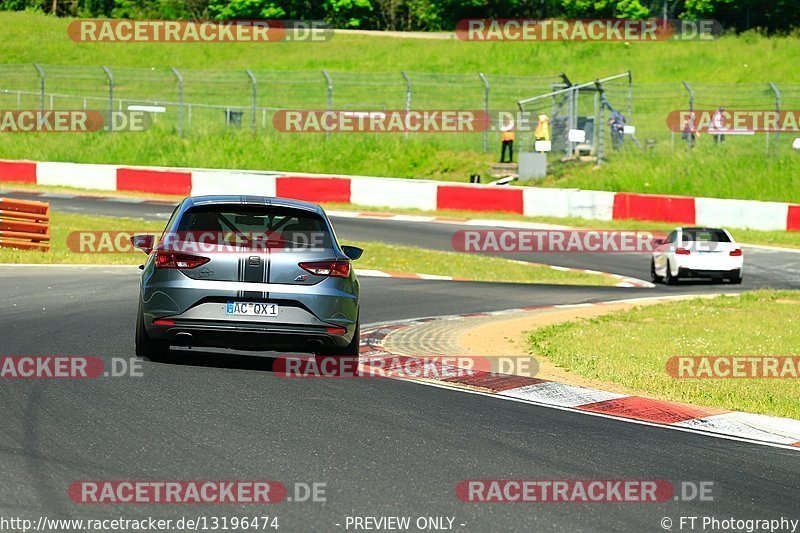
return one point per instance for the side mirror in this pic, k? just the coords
(659, 242)
(352, 252)
(143, 242)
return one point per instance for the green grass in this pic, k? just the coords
(379, 256)
(739, 169)
(395, 258)
(631, 348)
(63, 224)
(29, 38)
(736, 169)
(357, 154)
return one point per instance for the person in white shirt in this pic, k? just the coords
(718, 126)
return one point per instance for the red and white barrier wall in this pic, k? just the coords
(419, 194)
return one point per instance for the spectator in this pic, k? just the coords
(542, 131)
(617, 124)
(689, 130)
(717, 126)
(507, 136)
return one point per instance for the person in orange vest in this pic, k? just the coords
(507, 136)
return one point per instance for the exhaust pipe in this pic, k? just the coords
(314, 343)
(183, 338)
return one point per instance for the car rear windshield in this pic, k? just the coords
(705, 235)
(250, 224)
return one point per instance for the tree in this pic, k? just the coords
(347, 13)
(245, 9)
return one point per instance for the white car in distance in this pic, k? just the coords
(697, 253)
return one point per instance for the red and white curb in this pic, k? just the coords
(721, 423)
(426, 195)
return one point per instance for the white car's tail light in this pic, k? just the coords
(736, 253)
(173, 260)
(336, 269)
(682, 251)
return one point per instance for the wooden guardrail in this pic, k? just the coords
(24, 224)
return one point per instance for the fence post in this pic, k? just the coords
(576, 101)
(110, 98)
(630, 97)
(572, 119)
(600, 140)
(691, 109)
(691, 95)
(486, 110)
(408, 90)
(408, 96)
(598, 126)
(180, 100)
(255, 89)
(329, 81)
(778, 110)
(41, 85)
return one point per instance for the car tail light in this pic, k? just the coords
(682, 251)
(336, 331)
(174, 260)
(336, 269)
(736, 253)
(163, 322)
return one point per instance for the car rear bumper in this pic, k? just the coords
(685, 272)
(711, 262)
(252, 336)
(309, 318)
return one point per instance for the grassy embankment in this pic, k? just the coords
(739, 169)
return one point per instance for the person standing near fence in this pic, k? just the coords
(542, 131)
(717, 126)
(507, 137)
(617, 125)
(689, 130)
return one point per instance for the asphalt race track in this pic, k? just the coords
(763, 267)
(382, 447)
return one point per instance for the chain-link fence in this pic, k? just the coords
(214, 100)
(614, 109)
(207, 101)
(575, 115)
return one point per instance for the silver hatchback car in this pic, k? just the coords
(251, 273)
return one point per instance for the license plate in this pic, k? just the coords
(251, 309)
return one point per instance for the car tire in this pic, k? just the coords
(147, 347)
(669, 278)
(736, 279)
(655, 278)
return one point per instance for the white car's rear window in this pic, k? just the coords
(704, 235)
